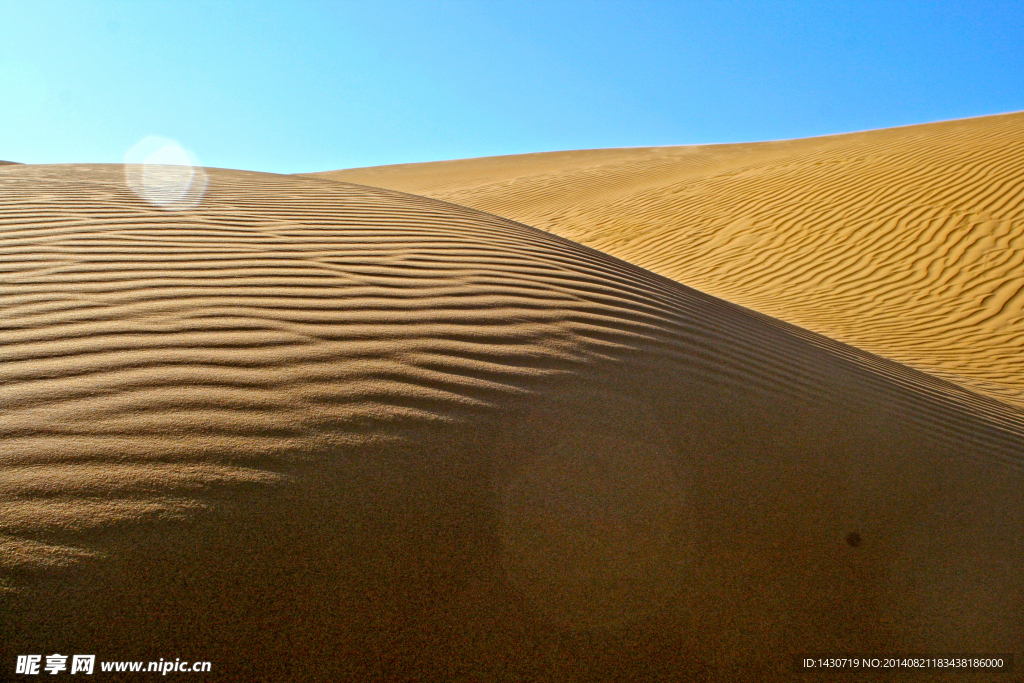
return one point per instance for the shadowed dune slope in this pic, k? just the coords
(7, 163)
(906, 242)
(310, 430)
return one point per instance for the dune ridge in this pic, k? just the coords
(905, 242)
(377, 436)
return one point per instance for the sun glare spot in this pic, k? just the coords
(164, 174)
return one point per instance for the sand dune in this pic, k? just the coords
(904, 242)
(316, 431)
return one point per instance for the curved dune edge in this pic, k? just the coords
(906, 242)
(318, 431)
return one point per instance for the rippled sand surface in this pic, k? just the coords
(308, 430)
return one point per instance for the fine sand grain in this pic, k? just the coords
(907, 242)
(310, 430)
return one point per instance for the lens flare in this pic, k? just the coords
(164, 174)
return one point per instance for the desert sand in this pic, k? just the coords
(313, 430)
(905, 242)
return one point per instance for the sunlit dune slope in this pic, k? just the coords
(907, 242)
(317, 431)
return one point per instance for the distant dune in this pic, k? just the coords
(310, 430)
(906, 242)
(7, 163)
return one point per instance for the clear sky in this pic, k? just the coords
(297, 85)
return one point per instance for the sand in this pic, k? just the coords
(904, 242)
(309, 430)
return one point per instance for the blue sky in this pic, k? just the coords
(297, 85)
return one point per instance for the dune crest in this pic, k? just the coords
(906, 242)
(309, 430)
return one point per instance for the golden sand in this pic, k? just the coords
(310, 430)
